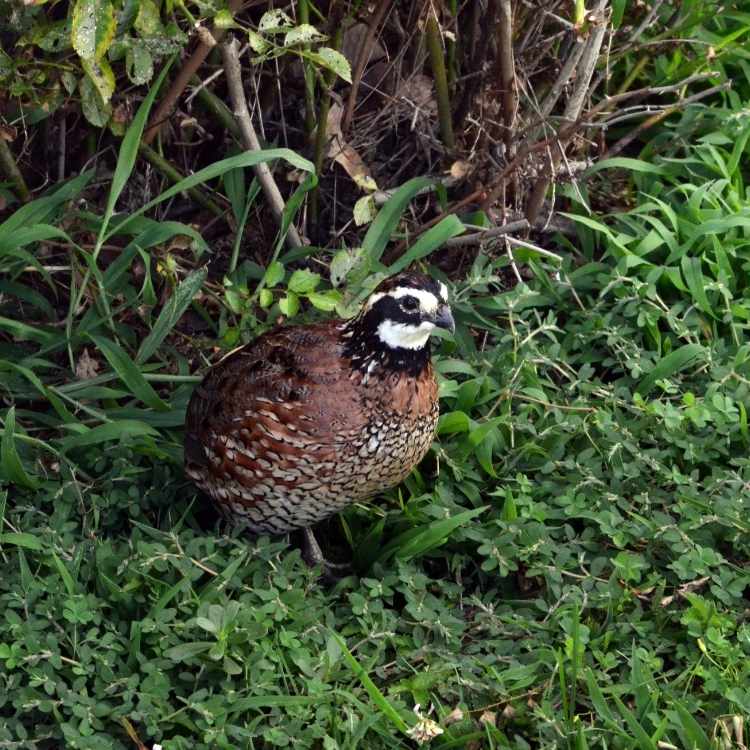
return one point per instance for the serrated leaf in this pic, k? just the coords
(93, 28)
(101, 75)
(94, 109)
(257, 43)
(302, 34)
(365, 210)
(289, 305)
(138, 63)
(332, 60)
(303, 281)
(148, 21)
(274, 21)
(325, 301)
(224, 20)
(274, 274)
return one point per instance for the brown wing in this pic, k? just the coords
(263, 410)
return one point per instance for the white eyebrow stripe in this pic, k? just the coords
(428, 301)
(443, 292)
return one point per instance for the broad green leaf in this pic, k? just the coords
(93, 28)
(332, 60)
(148, 21)
(303, 281)
(171, 313)
(302, 34)
(289, 305)
(372, 689)
(100, 74)
(365, 210)
(452, 422)
(187, 650)
(129, 152)
(274, 21)
(274, 274)
(418, 541)
(139, 63)
(245, 159)
(623, 162)
(95, 110)
(129, 373)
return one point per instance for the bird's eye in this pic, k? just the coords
(410, 303)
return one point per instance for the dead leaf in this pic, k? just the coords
(417, 90)
(459, 169)
(342, 153)
(488, 717)
(86, 367)
(354, 37)
(455, 715)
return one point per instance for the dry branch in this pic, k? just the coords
(230, 55)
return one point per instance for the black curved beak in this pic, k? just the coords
(444, 318)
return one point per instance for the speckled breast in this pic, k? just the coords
(302, 488)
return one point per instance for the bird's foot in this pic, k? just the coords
(313, 556)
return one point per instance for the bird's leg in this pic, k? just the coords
(313, 555)
(311, 552)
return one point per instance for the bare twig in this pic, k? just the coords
(584, 73)
(364, 55)
(477, 237)
(626, 140)
(230, 55)
(506, 70)
(188, 70)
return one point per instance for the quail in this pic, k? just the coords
(306, 419)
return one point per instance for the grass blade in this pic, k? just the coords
(419, 541)
(372, 689)
(431, 240)
(10, 462)
(676, 361)
(386, 221)
(171, 313)
(124, 366)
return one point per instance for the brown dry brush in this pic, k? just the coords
(499, 100)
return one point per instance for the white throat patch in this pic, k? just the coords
(404, 335)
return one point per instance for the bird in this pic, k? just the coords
(306, 419)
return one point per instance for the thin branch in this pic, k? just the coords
(584, 73)
(487, 234)
(364, 55)
(506, 71)
(230, 55)
(189, 69)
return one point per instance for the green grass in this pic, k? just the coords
(568, 567)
